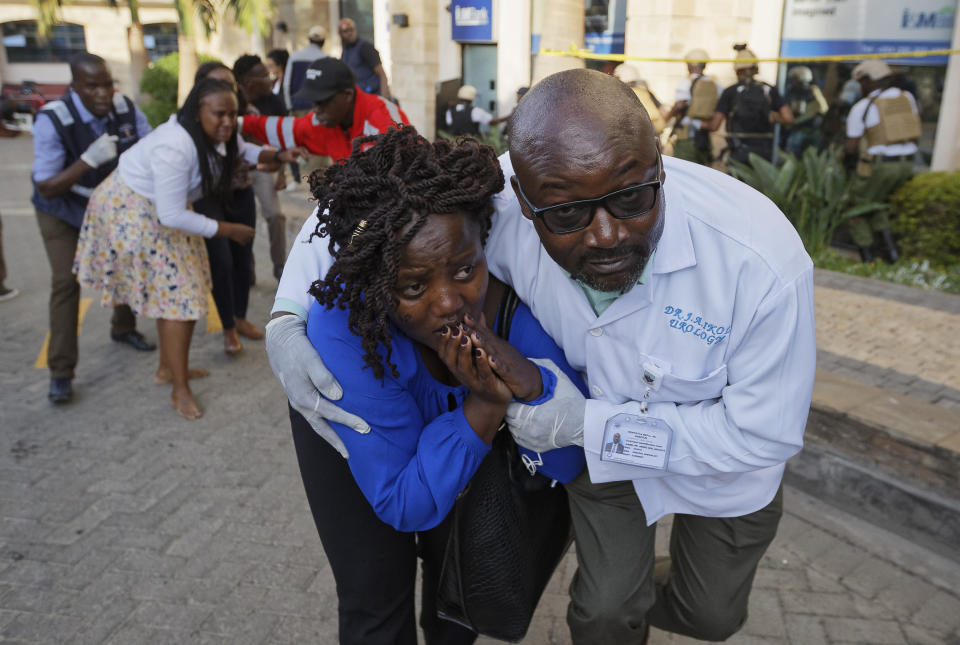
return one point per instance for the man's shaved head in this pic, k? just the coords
(583, 135)
(565, 107)
(86, 61)
(92, 82)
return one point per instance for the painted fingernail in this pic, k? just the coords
(464, 340)
(445, 330)
(477, 352)
(468, 318)
(455, 332)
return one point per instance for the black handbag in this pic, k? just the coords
(508, 532)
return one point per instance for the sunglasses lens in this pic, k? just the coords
(568, 218)
(636, 201)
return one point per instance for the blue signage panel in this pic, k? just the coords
(472, 21)
(854, 48)
(856, 27)
(604, 26)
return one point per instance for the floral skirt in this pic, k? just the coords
(125, 252)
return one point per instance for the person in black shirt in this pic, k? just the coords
(364, 59)
(254, 81)
(751, 107)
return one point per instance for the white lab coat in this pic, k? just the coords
(726, 313)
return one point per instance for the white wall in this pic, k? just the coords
(449, 54)
(670, 29)
(513, 51)
(946, 147)
(105, 30)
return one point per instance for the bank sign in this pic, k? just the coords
(854, 27)
(472, 21)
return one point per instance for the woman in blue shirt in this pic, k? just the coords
(400, 322)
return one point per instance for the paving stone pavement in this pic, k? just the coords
(120, 523)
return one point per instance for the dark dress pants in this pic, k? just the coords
(374, 565)
(613, 594)
(60, 242)
(231, 263)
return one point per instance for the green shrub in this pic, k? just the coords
(160, 83)
(493, 138)
(813, 192)
(927, 217)
(914, 273)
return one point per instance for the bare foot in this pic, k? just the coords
(248, 330)
(231, 342)
(163, 376)
(185, 405)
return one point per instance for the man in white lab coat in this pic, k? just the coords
(685, 298)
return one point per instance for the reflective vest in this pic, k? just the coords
(76, 137)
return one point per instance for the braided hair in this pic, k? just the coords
(368, 199)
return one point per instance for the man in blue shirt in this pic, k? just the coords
(364, 59)
(77, 141)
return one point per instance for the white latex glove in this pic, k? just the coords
(101, 151)
(553, 424)
(304, 378)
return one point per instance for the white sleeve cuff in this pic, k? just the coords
(249, 151)
(285, 304)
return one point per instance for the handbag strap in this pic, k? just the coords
(508, 307)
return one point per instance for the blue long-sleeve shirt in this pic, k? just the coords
(419, 454)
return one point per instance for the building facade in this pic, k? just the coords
(430, 47)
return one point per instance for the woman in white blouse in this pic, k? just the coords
(142, 245)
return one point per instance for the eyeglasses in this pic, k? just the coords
(625, 203)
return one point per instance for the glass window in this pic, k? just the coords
(24, 45)
(160, 39)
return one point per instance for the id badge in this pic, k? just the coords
(637, 440)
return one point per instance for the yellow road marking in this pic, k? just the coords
(41, 363)
(214, 324)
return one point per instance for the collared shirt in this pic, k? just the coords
(164, 168)
(372, 114)
(477, 114)
(600, 300)
(49, 154)
(726, 315)
(857, 125)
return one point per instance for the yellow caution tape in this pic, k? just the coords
(576, 52)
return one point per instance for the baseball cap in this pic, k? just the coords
(317, 32)
(872, 68)
(467, 93)
(325, 77)
(697, 55)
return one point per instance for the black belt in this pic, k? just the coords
(893, 157)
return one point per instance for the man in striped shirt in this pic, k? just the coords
(341, 113)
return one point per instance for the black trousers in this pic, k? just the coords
(374, 565)
(740, 149)
(231, 263)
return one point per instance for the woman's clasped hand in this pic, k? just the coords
(486, 364)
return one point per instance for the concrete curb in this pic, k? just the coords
(904, 484)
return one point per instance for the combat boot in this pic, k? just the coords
(887, 243)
